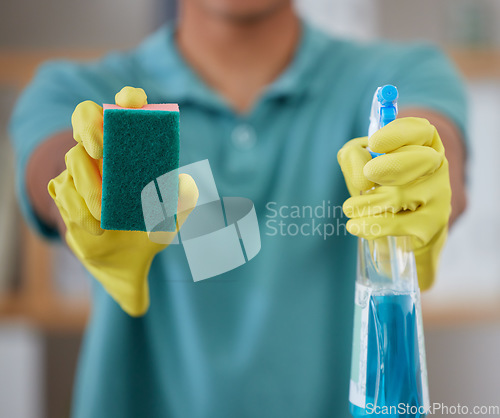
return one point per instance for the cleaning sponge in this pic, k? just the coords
(139, 146)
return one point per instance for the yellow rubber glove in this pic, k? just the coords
(413, 193)
(120, 260)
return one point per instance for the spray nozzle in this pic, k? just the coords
(384, 110)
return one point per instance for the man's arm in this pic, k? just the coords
(455, 154)
(46, 163)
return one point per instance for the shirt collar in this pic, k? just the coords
(161, 58)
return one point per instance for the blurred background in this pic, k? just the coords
(44, 292)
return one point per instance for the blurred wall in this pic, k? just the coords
(351, 18)
(463, 365)
(37, 366)
(451, 22)
(21, 372)
(89, 24)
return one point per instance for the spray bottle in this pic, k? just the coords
(388, 369)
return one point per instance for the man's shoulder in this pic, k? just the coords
(337, 47)
(346, 57)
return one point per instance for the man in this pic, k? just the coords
(269, 101)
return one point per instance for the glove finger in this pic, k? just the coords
(405, 131)
(405, 223)
(64, 214)
(87, 123)
(378, 201)
(188, 196)
(352, 157)
(86, 177)
(75, 210)
(131, 97)
(404, 165)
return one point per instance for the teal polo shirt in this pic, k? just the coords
(271, 338)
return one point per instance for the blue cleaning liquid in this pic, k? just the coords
(392, 333)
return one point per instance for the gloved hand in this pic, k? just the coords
(120, 260)
(412, 196)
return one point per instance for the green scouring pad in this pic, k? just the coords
(139, 146)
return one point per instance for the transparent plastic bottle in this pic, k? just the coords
(388, 369)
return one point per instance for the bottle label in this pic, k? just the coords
(423, 361)
(357, 387)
